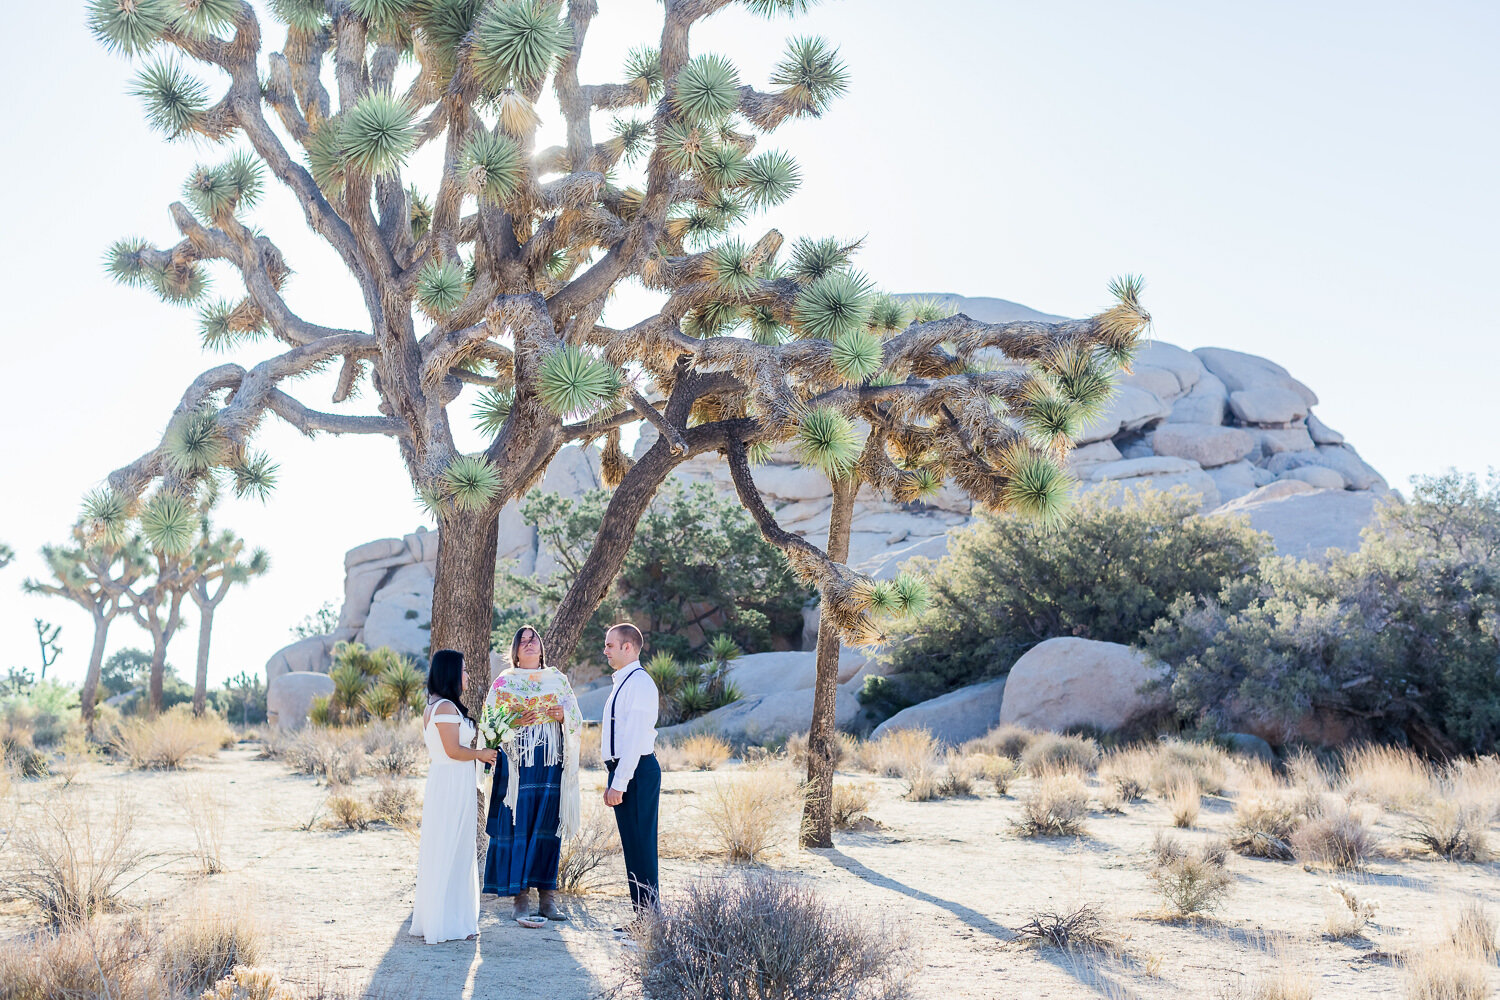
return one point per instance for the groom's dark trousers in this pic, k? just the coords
(636, 818)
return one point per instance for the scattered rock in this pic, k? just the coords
(957, 716)
(1339, 457)
(1275, 440)
(290, 696)
(1204, 405)
(771, 716)
(1321, 432)
(1068, 682)
(1250, 745)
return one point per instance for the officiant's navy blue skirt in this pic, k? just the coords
(524, 848)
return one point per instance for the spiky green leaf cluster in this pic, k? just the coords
(173, 97)
(444, 23)
(216, 327)
(255, 476)
(723, 648)
(643, 64)
(515, 42)
(124, 262)
(730, 268)
(1037, 487)
(759, 452)
(922, 483)
(218, 192)
(928, 310)
(440, 287)
(912, 593)
(771, 8)
(200, 18)
(421, 212)
(571, 381)
(1050, 418)
(771, 178)
(883, 598)
(812, 74)
(1083, 377)
(107, 514)
(634, 137)
(325, 156)
(381, 13)
(887, 314)
(177, 285)
(724, 166)
(832, 306)
(686, 146)
(706, 89)
(471, 482)
(857, 355)
(129, 27)
(491, 164)
(378, 133)
(491, 409)
(827, 440)
(813, 259)
(169, 522)
(302, 15)
(765, 328)
(193, 442)
(712, 319)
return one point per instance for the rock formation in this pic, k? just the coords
(1237, 430)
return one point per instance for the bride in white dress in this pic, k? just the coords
(447, 906)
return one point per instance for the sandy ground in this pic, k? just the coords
(335, 903)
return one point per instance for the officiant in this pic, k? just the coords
(534, 798)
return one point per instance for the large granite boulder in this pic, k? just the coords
(313, 654)
(1206, 444)
(1239, 371)
(1131, 409)
(1267, 404)
(1068, 682)
(1339, 457)
(1303, 521)
(290, 696)
(1205, 404)
(960, 715)
(1161, 473)
(772, 716)
(788, 670)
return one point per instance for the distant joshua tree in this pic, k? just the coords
(219, 566)
(494, 280)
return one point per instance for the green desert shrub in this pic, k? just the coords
(1399, 640)
(1008, 583)
(697, 566)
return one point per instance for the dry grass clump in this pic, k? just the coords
(1081, 928)
(845, 748)
(1336, 837)
(170, 740)
(205, 809)
(1444, 974)
(129, 959)
(1208, 765)
(337, 757)
(1126, 774)
(1192, 881)
(350, 811)
(670, 756)
(754, 937)
(72, 860)
(1347, 917)
(961, 772)
(1475, 780)
(395, 802)
(1263, 827)
(597, 839)
(401, 757)
(195, 952)
(704, 751)
(1054, 806)
(589, 752)
(851, 804)
(1059, 752)
(1000, 771)
(246, 982)
(1003, 741)
(1391, 777)
(1455, 830)
(898, 753)
(1472, 931)
(1184, 799)
(751, 813)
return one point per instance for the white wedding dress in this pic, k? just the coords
(447, 906)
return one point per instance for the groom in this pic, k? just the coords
(627, 738)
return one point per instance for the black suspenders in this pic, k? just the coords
(612, 699)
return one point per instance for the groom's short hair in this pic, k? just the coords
(629, 633)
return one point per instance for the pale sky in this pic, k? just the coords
(1313, 182)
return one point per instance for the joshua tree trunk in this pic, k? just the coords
(96, 665)
(200, 681)
(162, 631)
(822, 740)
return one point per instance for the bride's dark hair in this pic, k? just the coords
(445, 678)
(515, 647)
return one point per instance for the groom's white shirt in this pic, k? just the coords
(634, 732)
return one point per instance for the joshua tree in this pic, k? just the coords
(6, 555)
(46, 638)
(498, 280)
(95, 574)
(216, 558)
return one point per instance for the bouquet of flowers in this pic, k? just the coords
(497, 724)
